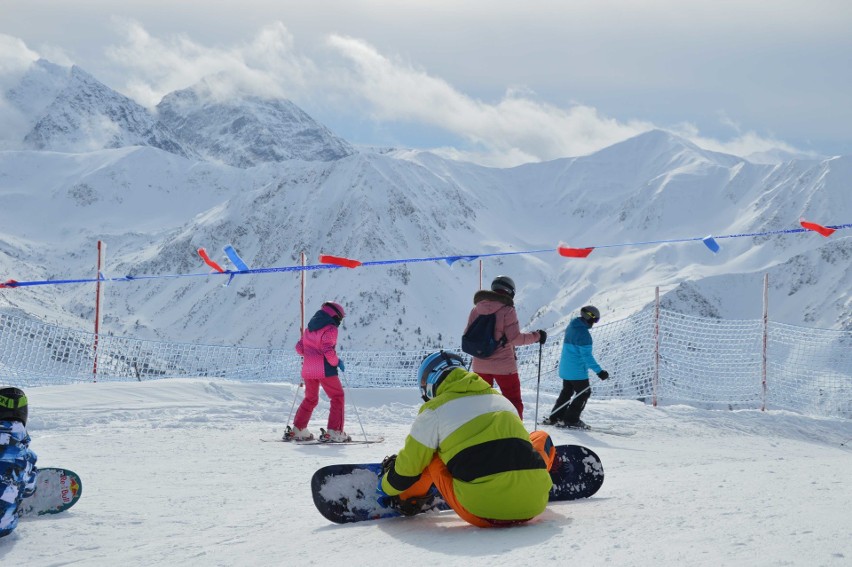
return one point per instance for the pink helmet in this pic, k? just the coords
(334, 309)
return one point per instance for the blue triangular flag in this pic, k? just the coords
(711, 243)
(453, 259)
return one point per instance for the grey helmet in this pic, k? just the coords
(503, 284)
(590, 314)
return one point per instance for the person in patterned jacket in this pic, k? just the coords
(320, 366)
(469, 442)
(17, 460)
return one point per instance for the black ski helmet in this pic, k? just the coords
(13, 405)
(503, 284)
(590, 314)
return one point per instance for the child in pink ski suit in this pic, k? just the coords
(319, 368)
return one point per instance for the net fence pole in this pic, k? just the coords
(765, 336)
(656, 343)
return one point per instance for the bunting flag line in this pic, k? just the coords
(203, 253)
(328, 262)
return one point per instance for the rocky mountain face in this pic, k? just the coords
(248, 131)
(263, 177)
(71, 111)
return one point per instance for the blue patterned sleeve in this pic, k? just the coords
(17, 473)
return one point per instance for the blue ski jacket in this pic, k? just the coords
(577, 358)
(17, 472)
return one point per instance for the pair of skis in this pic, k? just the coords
(609, 430)
(319, 441)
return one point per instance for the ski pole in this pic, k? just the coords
(537, 386)
(296, 395)
(574, 397)
(346, 382)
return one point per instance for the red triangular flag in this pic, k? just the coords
(823, 230)
(203, 253)
(338, 261)
(574, 252)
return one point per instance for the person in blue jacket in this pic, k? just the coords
(17, 461)
(574, 365)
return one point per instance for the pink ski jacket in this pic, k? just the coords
(503, 360)
(317, 347)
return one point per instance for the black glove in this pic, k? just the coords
(387, 464)
(603, 374)
(542, 336)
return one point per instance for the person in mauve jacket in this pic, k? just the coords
(320, 366)
(502, 365)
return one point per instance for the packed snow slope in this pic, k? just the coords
(174, 473)
(265, 177)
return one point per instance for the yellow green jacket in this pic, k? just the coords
(497, 474)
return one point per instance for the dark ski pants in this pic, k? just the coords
(570, 413)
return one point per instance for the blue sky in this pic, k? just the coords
(496, 82)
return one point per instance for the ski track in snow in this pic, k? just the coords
(174, 474)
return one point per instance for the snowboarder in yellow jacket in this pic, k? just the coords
(469, 442)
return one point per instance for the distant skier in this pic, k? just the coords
(501, 365)
(320, 367)
(17, 462)
(574, 365)
(468, 441)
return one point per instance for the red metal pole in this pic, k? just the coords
(302, 300)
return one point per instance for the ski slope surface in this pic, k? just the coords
(174, 473)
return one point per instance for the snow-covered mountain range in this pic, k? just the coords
(201, 171)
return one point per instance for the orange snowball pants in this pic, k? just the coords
(436, 473)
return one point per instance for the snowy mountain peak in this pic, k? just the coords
(663, 150)
(69, 110)
(246, 130)
(38, 87)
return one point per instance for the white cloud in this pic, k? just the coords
(517, 127)
(267, 66)
(15, 59)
